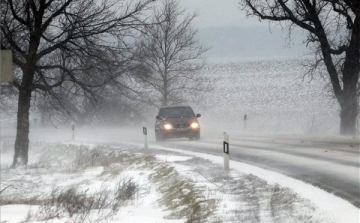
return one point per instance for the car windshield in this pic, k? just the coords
(178, 112)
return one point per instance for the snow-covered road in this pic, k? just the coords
(329, 162)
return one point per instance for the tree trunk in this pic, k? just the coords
(165, 96)
(348, 115)
(349, 101)
(22, 135)
(164, 102)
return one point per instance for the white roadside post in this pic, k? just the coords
(72, 131)
(145, 136)
(245, 118)
(132, 118)
(226, 152)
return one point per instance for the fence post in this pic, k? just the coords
(145, 136)
(245, 119)
(132, 118)
(72, 131)
(226, 152)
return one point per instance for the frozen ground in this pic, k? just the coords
(172, 186)
(72, 183)
(247, 194)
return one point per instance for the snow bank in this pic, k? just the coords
(333, 208)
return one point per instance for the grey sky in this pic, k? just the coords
(225, 28)
(218, 13)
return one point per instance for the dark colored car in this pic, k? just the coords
(177, 122)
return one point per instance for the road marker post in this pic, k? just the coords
(72, 131)
(245, 119)
(131, 118)
(226, 152)
(145, 136)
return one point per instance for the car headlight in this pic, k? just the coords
(194, 125)
(168, 126)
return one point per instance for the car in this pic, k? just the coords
(177, 122)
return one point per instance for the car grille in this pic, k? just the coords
(183, 125)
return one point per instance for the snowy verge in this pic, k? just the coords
(86, 183)
(334, 208)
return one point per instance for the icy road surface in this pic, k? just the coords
(329, 162)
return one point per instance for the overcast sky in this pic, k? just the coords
(218, 13)
(224, 27)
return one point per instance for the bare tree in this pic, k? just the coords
(333, 28)
(59, 41)
(171, 57)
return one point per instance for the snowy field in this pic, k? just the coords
(276, 96)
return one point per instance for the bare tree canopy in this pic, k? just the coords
(64, 41)
(170, 56)
(333, 27)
